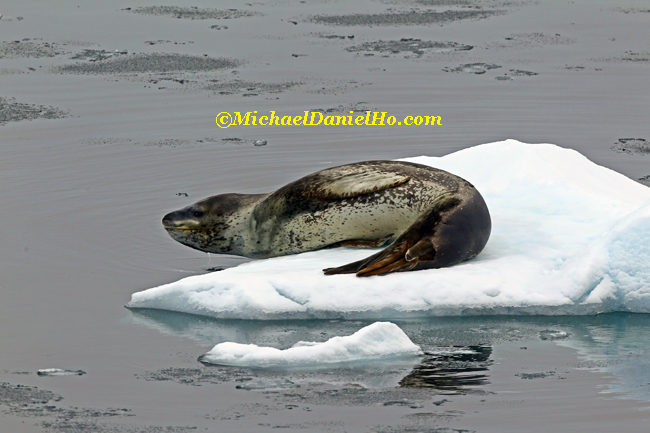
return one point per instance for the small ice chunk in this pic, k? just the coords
(549, 334)
(59, 372)
(268, 384)
(379, 341)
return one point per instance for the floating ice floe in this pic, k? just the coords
(568, 237)
(59, 372)
(376, 342)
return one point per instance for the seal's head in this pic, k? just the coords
(207, 224)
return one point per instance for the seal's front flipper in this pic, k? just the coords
(391, 259)
(412, 247)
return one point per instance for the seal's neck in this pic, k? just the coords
(239, 230)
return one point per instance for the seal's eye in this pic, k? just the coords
(197, 213)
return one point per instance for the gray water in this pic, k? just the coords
(97, 145)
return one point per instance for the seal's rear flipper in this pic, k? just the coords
(412, 247)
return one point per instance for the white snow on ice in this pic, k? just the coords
(379, 341)
(568, 237)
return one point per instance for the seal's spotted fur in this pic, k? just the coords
(430, 217)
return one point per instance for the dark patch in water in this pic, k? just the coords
(444, 2)
(153, 62)
(446, 416)
(540, 375)
(632, 10)
(83, 426)
(412, 18)
(474, 68)
(198, 376)
(262, 384)
(170, 142)
(332, 36)
(629, 57)
(577, 68)
(632, 146)
(20, 395)
(192, 13)
(12, 71)
(532, 40)
(248, 88)
(406, 403)
(98, 141)
(12, 111)
(31, 402)
(27, 48)
(520, 73)
(98, 55)
(415, 46)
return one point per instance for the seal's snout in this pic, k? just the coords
(180, 220)
(168, 220)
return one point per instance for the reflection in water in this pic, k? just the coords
(618, 343)
(447, 369)
(208, 331)
(451, 372)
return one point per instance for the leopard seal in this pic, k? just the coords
(425, 217)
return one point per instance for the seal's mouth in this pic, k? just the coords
(181, 229)
(183, 226)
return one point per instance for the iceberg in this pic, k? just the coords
(569, 237)
(377, 342)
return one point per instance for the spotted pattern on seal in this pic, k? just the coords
(427, 217)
